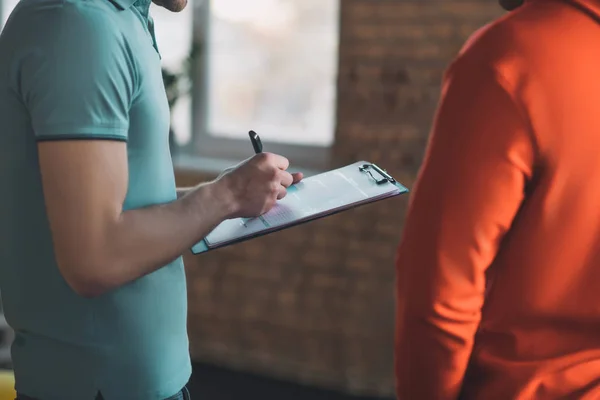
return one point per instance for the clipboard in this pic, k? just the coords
(315, 197)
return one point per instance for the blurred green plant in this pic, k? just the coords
(179, 83)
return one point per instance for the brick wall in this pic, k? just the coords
(315, 304)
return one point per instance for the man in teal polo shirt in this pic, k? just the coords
(91, 225)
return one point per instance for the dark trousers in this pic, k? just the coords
(183, 394)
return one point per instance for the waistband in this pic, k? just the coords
(183, 394)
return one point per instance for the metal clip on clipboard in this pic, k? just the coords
(385, 177)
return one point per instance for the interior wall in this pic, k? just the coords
(315, 303)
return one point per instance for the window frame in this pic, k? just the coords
(1, 15)
(205, 145)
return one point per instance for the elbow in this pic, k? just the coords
(86, 288)
(85, 277)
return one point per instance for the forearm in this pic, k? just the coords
(143, 240)
(182, 191)
(99, 247)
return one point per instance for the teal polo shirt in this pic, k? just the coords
(70, 70)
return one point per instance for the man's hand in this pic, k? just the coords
(182, 191)
(257, 183)
(297, 176)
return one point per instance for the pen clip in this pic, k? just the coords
(365, 168)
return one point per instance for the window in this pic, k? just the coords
(6, 7)
(266, 65)
(174, 37)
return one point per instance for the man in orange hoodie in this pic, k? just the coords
(498, 270)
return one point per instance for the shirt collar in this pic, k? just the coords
(123, 4)
(142, 5)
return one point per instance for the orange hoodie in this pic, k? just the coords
(498, 270)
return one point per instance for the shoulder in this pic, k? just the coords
(64, 23)
(520, 42)
(494, 47)
(74, 45)
(67, 32)
(51, 11)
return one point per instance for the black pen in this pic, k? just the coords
(256, 143)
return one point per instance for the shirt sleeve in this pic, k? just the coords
(78, 79)
(479, 158)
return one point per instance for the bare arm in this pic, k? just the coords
(182, 191)
(99, 247)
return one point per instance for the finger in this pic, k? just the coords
(297, 177)
(282, 193)
(277, 160)
(285, 178)
(269, 205)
